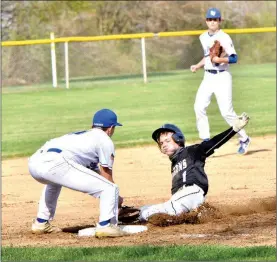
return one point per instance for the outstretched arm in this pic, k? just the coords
(217, 141)
(220, 139)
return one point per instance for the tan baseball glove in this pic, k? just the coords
(217, 50)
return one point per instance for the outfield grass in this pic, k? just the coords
(142, 253)
(32, 115)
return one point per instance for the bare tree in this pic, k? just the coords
(7, 18)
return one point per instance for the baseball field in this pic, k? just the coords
(242, 188)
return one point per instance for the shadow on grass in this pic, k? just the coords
(120, 77)
(250, 152)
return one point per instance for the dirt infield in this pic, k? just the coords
(243, 188)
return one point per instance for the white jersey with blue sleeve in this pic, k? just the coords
(87, 148)
(72, 161)
(207, 42)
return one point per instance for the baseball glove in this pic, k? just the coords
(128, 215)
(217, 50)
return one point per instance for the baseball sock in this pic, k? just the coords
(40, 220)
(104, 223)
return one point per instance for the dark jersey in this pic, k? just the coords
(188, 163)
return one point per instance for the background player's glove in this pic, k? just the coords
(240, 122)
(128, 215)
(217, 50)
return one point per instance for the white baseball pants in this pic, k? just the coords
(221, 85)
(184, 200)
(54, 170)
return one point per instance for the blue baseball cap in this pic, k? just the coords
(105, 118)
(213, 13)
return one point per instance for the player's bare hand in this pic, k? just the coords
(240, 122)
(193, 68)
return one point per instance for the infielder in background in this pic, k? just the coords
(72, 161)
(217, 79)
(189, 180)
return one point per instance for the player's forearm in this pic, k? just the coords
(226, 60)
(217, 141)
(221, 60)
(107, 173)
(201, 63)
(110, 178)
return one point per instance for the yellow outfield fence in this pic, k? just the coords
(132, 36)
(60, 60)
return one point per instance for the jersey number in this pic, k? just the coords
(184, 176)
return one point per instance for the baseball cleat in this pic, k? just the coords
(109, 231)
(44, 228)
(243, 148)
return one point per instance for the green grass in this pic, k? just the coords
(142, 253)
(31, 115)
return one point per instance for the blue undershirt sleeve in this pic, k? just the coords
(233, 59)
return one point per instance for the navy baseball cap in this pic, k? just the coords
(105, 118)
(213, 13)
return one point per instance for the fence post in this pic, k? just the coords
(53, 60)
(143, 53)
(66, 64)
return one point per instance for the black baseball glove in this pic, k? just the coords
(128, 215)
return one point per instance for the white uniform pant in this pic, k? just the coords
(221, 85)
(54, 170)
(184, 200)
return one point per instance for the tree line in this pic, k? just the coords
(23, 20)
(35, 19)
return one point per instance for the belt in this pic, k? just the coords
(187, 185)
(214, 71)
(184, 185)
(57, 150)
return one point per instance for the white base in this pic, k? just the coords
(131, 229)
